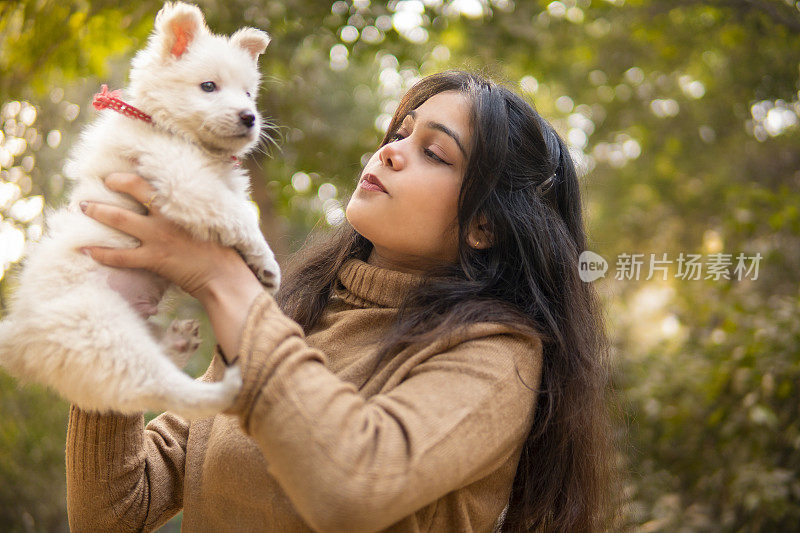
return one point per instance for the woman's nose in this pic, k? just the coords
(391, 156)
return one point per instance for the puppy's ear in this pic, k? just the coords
(253, 41)
(178, 25)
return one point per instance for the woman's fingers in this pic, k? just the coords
(118, 218)
(133, 185)
(116, 257)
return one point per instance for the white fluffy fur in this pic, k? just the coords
(67, 329)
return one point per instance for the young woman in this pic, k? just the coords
(434, 364)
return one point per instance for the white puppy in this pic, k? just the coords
(188, 113)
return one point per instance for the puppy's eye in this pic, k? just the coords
(248, 94)
(208, 86)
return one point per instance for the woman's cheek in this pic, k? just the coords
(433, 221)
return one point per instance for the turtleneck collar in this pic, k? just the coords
(365, 285)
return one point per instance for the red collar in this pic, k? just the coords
(111, 100)
(106, 99)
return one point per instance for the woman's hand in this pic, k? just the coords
(166, 249)
(212, 273)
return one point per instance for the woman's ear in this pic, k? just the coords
(479, 236)
(178, 26)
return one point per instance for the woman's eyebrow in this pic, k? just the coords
(444, 129)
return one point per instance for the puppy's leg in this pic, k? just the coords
(96, 351)
(259, 257)
(214, 212)
(157, 384)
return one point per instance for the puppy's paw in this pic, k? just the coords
(181, 340)
(265, 267)
(269, 275)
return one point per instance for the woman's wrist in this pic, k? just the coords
(226, 273)
(238, 285)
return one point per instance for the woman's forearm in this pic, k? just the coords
(111, 462)
(227, 300)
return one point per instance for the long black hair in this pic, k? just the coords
(521, 185)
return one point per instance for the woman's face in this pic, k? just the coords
(413, 224)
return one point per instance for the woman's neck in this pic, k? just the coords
(382, 260)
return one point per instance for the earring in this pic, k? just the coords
(477, 243)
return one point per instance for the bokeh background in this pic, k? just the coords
(683, 115)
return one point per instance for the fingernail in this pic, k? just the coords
(85, 251)
(83, 206)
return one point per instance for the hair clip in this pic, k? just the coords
(545, 186)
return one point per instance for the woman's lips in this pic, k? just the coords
(371, 183)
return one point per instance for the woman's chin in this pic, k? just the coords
(360, 217)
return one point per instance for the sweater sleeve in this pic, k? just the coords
(122, 476)
(355, 464)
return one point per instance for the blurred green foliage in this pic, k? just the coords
(683, 115)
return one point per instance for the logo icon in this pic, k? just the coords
(591, 266)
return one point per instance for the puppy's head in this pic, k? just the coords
(198, 84)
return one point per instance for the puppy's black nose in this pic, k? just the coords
(247, 118)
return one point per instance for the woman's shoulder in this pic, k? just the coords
(491, 344)
(494, 335)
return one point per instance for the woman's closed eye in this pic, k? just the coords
(427, 151)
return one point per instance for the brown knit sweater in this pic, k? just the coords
(430, 441)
